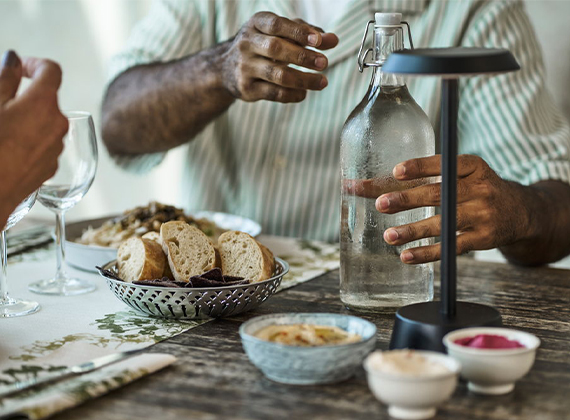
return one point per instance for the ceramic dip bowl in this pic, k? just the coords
(308, 365)
(412, 395)
(492, 371)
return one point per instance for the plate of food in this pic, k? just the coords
(179, 273)
(94, 242)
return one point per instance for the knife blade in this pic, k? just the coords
(82, 368)
(28, 238)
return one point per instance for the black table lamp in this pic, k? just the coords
(423, 325)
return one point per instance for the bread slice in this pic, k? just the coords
(140, 259)
(155, 236)
(190, 252)
(243, 256)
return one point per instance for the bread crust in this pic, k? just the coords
(154, 260)
(268, 262)
(153, 236)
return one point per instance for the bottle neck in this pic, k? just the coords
(386, 41)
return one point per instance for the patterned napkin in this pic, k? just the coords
(72, 330)
(47, 401)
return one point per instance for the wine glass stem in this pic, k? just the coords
(4, 298)
(60, 245)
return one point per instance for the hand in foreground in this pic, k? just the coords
(32, 127)
(491, 212)
(255, 65)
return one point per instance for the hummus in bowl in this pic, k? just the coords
(313, 362)
(307, 335)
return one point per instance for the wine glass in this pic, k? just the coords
(76, 171)
(8, 306)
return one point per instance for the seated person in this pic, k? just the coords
(263, 137)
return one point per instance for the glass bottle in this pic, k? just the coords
(386, 128)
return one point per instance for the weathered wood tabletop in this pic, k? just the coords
(214, 379)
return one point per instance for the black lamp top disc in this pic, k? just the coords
(450, 62)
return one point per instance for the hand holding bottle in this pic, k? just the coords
(491, 212)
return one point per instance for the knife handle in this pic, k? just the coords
(32, 383)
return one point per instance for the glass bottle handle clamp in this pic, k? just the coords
(362, 54)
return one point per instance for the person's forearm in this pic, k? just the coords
(156, 107)
(548, 234)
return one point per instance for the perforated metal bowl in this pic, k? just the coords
(194, 303)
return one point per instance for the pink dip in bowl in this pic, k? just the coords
(488, 341)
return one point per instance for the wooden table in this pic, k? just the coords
(214, 379)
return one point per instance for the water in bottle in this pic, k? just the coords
(386, 128)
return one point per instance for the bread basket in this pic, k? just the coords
(193, 303)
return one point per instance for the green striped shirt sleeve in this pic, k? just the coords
(511, 120)
(171, 30)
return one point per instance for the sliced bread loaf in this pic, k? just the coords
(140, 259)
(243, 256)
(190, 252)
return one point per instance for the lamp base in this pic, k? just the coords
(422, 326)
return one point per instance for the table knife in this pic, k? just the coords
(29, 238)
(66, 373)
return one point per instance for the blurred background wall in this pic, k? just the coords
(83, 34)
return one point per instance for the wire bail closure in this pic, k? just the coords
(362, 63)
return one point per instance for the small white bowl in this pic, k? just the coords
(492, 371)
(414, 397)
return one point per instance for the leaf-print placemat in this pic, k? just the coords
(72, 330)
(46, 401)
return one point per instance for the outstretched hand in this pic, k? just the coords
(255, 65)
(491, 212)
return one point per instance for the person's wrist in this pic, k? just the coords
(204, 71)
(219, 62)
(530, 199)
(539, 242)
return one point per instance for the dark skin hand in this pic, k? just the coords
(159, 106)
(529, 224)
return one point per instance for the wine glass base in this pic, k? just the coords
(18, 307)
(65, 287)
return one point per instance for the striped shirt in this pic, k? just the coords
(279, 163)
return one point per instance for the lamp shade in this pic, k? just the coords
(450, 62)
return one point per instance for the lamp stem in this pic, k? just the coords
(449, 109)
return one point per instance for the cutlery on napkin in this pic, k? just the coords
(86, 367)
(43, 402)
(29, 238)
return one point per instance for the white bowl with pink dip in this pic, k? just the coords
(492, 371)
(413, 383)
